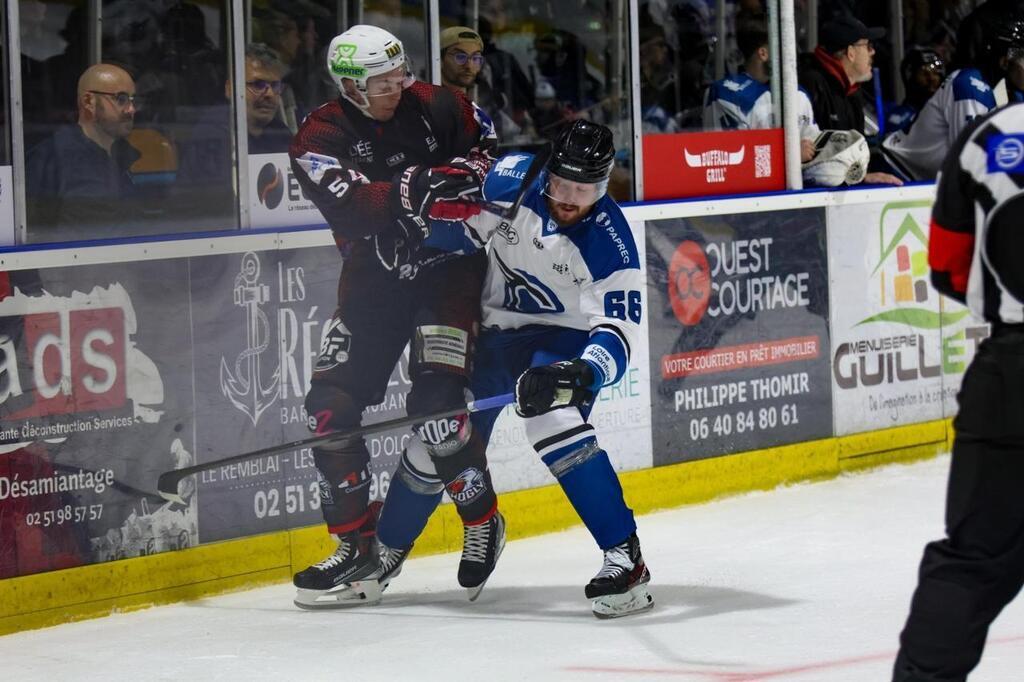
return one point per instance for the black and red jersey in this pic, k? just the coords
(976, 241)
(345, 161)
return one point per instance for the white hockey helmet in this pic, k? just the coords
(840, 156)
(362, 52)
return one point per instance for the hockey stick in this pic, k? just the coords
(167, 484)
(536, 167)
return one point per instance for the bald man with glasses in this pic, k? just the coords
(79, 181)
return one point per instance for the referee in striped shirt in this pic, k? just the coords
(976, 253)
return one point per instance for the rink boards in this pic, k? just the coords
(787, 337)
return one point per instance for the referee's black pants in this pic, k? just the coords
(966, 579)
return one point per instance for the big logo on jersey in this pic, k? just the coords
(525, 293)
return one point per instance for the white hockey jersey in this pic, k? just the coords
(583, 277)
(740, 102)
(918, 153)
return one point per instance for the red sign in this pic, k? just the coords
(683, 165)
(72, 361)
(741, 356)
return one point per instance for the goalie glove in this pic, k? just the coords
(548, 387)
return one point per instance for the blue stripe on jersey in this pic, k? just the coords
(614, 346)
(740, 90)
(605, 240)
(506, 176)
(449, 236)
(969, 84)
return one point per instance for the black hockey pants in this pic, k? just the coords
(966, 579)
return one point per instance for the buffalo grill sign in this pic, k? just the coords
(684, 165)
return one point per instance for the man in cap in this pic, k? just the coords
(832, 76)
(461, 58)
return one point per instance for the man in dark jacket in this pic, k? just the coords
(832, 76)
(78, 181)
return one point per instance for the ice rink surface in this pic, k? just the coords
(806, 583)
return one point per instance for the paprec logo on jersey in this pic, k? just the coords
(270, 186)
(689, 283)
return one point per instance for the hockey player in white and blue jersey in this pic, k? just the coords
(965, 95)
(562, 308)
(744, 101)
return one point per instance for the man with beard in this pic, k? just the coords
(79, 182)
(264, 72)
(461, 58)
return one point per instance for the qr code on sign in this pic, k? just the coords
(762, 160)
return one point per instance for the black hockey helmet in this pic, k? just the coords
(1008, 35)
(583, 152)
(921, 57)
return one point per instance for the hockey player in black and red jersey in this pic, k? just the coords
(380, 162)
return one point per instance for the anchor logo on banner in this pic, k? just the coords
(245, 387)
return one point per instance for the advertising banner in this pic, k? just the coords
(95, 401)
(621, 416)
(681, 165)
(899, 348)
(739, 341)
(276, 200)
(110, 375)
(261, 317)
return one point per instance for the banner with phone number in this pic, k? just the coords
(739, 341)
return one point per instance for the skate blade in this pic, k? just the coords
(474, 592)
(617, 605)
(358, 593)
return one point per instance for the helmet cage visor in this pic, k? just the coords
(583, 194)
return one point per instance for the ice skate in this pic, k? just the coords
(481, 546)
(620, 587)
(345, 578)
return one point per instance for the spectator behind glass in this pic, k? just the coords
(923, 71)
(206, 164)
(548, 114)
(461, 58)
(657, 82)
(78, 182)
(744, 101)
(511, 90)
(562, 62)
(263, 86)
(695, 40)
(832, 76)
(280, 32)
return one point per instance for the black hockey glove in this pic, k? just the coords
(413, 193)
(477, 163)
(418, 187)
(545, 388)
